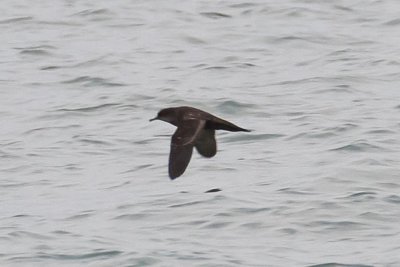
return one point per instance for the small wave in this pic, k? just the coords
(89, 109)
(80, 216)
(361, 196)
(394, 199)
(132, 217)
(26, 234)
(334, 264)
(14, 20)
(337, 225)
(96, 254)
(358, 147)
(231, 106)
(393, 22)
(291, 191)
(194, 40)
(94, 13)
(217, 225)
(35, 52)
(251, 137)
(186, 204)
(92, 81)
(41, 50)
(215, 15)
(250, 210)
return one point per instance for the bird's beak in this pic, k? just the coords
(153, 119)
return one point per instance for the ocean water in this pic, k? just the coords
(83, 173)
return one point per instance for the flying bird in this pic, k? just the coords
(196, 128)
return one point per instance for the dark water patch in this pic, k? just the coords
(214, 190)
(35, 52)
(250, 137)
(89, 81)
(12, 184)
(142, 261)
(93, 141)
(389, 185)
(59, 23)
(26, 234)
(132, 216)
(6, 155)
(370, 162)
(340, 89)
(245, 65)
(393, 22)
(45, 129)
(337, 225)
(217, 225)
(95, 14)
(126, 25)
(200, 66)
(192, 203)
(89, 109)
(224, 214)
(233, 107)
(311, 135)
(123, 184)
(126, 206)
(91, 62)
(342, 128)
(16, 20)
(216, 68)
(394, 199)
(334, 264)
(196, 222)
(289, 231)
(147, 141)
(381, 132)
(250, 210)
(374, 216)
(243, 5)
(294, 39)
(137, 168)
(87, 63)
(343, 8)
(128, 107)
(292, 191)
(82, 215)
(358, 147)
(194, 40)
(103, 254)
(215, 15)
(50, 68)
(253, 225)
(361, 196)
(21, 216)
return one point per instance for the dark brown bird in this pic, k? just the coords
(196, 128)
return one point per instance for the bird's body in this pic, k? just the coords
(196, 128)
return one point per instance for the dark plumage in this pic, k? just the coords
(196, 128)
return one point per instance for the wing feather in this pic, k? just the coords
(182, 143)
(206, 144)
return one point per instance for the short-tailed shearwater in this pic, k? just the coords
(196, 128)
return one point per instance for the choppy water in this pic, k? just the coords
(83, 174)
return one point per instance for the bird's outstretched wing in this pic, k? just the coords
(182, 144)
(206, 144)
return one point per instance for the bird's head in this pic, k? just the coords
(167, 115)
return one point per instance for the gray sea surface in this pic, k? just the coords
(83, 173)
